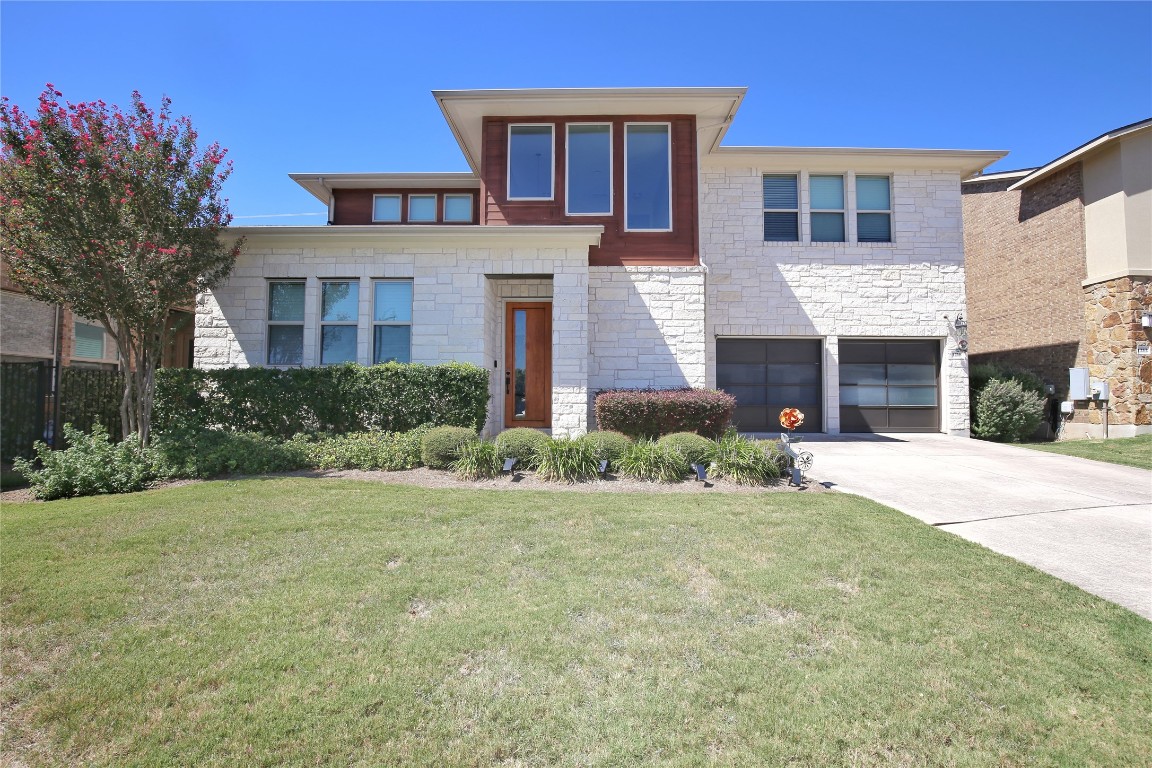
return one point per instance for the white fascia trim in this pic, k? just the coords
(1079, 152)
(425, 235)
(998, 175)
(964, 161)
(322, 184)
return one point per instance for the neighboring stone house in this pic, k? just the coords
(1060, 275)
(605, 239)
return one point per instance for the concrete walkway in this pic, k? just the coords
(1086, 522)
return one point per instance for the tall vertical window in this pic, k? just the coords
(458, 209)
(648, 177)
(386, 208)
(827, 208)
(781, 208)
(422, 209)
(531, 161)
(339, 310)
(392, 321)
(589, 169)
(286, 323)
(873, 209)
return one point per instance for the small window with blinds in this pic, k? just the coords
(89, 341)
(781, 208)
(873, 209)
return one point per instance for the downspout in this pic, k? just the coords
(57, 359)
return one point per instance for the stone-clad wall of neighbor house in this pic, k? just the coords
(646, 327)
(910, 288)
(454, 309)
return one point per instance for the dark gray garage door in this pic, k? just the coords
(768, 375)
(889, 386)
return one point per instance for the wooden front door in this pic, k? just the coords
(528, 364)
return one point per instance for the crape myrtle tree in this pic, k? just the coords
(116, 213)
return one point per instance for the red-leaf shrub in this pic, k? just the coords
(655, 412)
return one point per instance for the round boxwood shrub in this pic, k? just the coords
(523, 443)
(607, 445)
(693, 447)
(441, 446)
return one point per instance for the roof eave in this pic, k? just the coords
(1080, 152)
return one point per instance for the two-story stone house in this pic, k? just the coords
(605, 238)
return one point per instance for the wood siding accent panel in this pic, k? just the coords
(680, 247)
(354, 206)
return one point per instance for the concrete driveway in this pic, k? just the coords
(1086, 522)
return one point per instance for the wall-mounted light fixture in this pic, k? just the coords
(1146, 320)
(960, 323)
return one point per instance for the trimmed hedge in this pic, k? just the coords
(650, 413)
(393, 397)
(522, 443)
(441, 447)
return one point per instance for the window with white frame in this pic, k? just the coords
(339, 314)
(589, 165)
(422, 209)
(531, 161)
(648, 177)
(386, 208)
(873, 209)
(391, 321)
(781, 208)
(286, 322)
(827, 203)
(458, 209)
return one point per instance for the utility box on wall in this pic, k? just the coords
(1079, 386)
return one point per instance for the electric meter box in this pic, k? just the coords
(1079, 387)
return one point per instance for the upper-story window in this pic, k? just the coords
(458, 209)
(386, 208)
(589, 169)
(781, 208)
(531, 162)
(647, 177)
(827, 195)
(873, 209)
(422, 209)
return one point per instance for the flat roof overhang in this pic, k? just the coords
(425, 235)
(322, 184)
(963, 161)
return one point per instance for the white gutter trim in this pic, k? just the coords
(1073, 156)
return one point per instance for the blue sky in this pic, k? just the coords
(345, 87)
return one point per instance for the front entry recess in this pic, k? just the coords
(528, 364)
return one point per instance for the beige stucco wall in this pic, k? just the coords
(1118, 208)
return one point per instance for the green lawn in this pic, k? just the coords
(1130, 451)
(293, 621)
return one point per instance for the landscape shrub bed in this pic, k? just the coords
(337, 399)
(607, 446)
(693, 447)
(522, 443)
(91, 465)
(651, 413)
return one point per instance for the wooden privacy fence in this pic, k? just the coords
(27, 410)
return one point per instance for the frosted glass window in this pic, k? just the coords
(862, 373)
(458, 208)
(863, 396)
(648, 177)
(386, 208)
(530, 162)
(421, 208)
(912, 395)
(589, 169)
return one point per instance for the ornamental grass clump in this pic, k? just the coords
(648, 460)
(694, 448)
(478, 461)
(568, 461)
(441, 446)
(520, 443)
(744, 461)
(607, 445)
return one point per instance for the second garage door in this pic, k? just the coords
(889, 386)
(768, 375)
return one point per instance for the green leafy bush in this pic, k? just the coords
(335, 399)
(693, 447)
(440, 447)
(521, 442)
(478, 460)
(981, 374)
(212, 452)
(92, 464)
(368, 450)
(569, 461)
(744, 461)
(1006, 412)
(654, 412)
(607, 446)
(648, 460)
